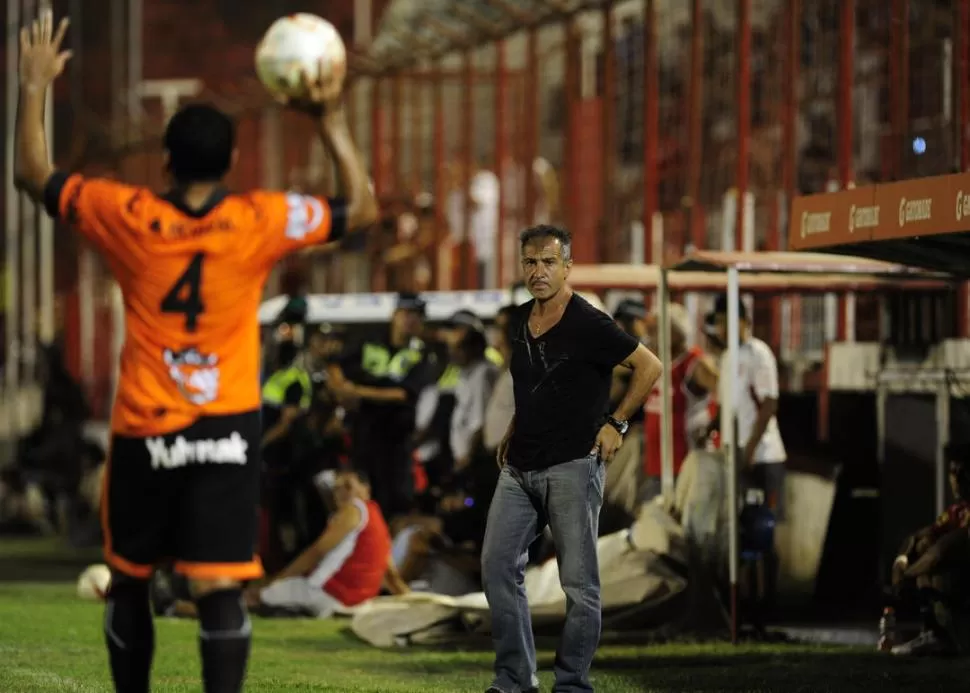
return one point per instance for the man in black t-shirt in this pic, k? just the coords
(552, 459)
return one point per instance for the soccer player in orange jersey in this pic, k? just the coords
(182, 479)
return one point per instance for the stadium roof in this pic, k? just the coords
(414, 30)
(923, 222)
(808, 273)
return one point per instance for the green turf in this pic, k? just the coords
(50, 642)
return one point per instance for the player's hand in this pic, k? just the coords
(321, 94)
(41, 57)
(608, 441)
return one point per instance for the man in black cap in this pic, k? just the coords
(382, 378)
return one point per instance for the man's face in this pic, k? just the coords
(317, 348)
(347, 487)
(544, 268)
(720, 327)
(407, 322)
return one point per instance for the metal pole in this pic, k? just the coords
(438, 167)
(743, 116)
(695, 130)
(730, 442)
(467, 266)
(882, 396)
(501, 156)
(666, 390)
(942, 440)
(604, 246)
(531, 125)
(28, 295)
(651, 128)
(12, 254)
(47, 244)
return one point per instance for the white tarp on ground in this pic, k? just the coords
(637, 567)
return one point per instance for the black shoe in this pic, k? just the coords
(493, 689)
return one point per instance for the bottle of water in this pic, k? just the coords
(887, 628)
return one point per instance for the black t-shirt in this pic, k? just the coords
(562, 383)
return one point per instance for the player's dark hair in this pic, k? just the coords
(199, 140)
(543, 231)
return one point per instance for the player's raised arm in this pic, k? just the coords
(351, 173)
(305, 221)
(41, 62)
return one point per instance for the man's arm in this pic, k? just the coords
(352, 179)
(41, 62)
(646, 369)
(706, 374)
(340, 526)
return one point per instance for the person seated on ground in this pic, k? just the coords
(934, 567)
(349, 564)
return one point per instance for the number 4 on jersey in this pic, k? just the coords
(185, 296)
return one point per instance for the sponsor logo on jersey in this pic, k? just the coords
(182, 452)
(304, 215)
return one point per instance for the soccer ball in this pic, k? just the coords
(93, 584)
(301, 43)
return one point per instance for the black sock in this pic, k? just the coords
(224, 639)
(129, 633)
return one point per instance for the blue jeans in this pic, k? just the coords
(568, 497)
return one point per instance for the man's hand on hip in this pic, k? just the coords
(608, 441)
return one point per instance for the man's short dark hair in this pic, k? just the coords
(542, 231)
(721, 307)
(199, 140)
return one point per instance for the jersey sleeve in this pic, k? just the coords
(296, 221)
(93, 206)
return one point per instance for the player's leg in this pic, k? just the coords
(135, 518)
(216, 542)
(574, 496)
(513, 523)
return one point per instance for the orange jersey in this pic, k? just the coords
(192, 283)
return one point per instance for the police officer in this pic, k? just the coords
(383, 377)
(285, 394)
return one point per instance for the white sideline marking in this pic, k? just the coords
(49, 680)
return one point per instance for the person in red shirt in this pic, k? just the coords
(693, 378)
(346, 566)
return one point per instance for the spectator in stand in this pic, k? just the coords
(693, 377)
(286, 393)
(483, 199)
(383, 377)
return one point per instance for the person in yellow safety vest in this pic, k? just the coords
(286, 393)
(383, 377)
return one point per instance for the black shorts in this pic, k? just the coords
(190, 497)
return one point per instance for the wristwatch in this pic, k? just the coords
(621, 426)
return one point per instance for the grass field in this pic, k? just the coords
(51, 642)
